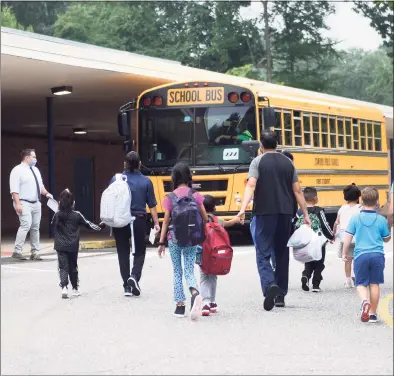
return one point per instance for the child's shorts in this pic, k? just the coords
(369, 269)
(350, 252)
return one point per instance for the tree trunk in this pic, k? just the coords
(267, 38)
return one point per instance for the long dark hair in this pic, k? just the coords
(181, 175)
(66, 205)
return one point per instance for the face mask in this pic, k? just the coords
(33, 162)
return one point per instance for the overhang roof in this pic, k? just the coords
(103, 79)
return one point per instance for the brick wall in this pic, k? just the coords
(108, 159)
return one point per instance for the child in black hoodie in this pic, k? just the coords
(320, 225)
(66, 223)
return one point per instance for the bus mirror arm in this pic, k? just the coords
(251, 147)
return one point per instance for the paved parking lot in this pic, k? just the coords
(102, 332)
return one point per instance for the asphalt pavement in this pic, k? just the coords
(102, 332)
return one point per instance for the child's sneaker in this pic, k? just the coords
(316, 289)
(76, 292)
(213, 307)
(205, 310)
(373, 318)
(64, 293)
(365, 307)
(305, 283)
(348, 283)
(179, 311)
(195, 310)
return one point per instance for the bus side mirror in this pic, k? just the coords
(269, 118)
(123, 124)
(251, 147)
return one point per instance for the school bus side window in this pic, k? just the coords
(324, 131)
(355, 134)
(363, 145)
(316, 130)
(333, 133)
(287, 127)
(378, 136)
(348, 128)
(369, 136)
(297, 128)
(278, 126)
(307, 128)
(341, 133)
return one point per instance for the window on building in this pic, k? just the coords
(307, 129)
(333, 133)
(348, 129)
(378, 136)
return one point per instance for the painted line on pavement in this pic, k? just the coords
(384, 310)
(31, 269)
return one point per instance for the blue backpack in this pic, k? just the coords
(187, 225)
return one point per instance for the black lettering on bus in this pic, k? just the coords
(214, 95)
(220, 95)
(194, 96)
(182, 97)
(208, 96)
(198, 96)
(171, 98)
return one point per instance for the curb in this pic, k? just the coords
(97, 244)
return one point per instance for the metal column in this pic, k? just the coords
(50, 139)
(392, 159)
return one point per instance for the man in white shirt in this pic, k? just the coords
(26, 188)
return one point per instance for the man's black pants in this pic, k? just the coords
(316, 268)
(122, 239)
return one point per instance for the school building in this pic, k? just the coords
(75, 135)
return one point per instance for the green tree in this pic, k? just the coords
(8, 19)
(41, 15)
(301, 53)
(248, 71)
(381, 17)
(363, 75)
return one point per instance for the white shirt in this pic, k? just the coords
(346, 212)
(22, 182)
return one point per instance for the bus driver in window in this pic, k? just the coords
(238, 132)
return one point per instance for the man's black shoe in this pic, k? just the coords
(270, 295)
(280, 301)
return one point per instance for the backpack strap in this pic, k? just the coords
(190, 194)
(212, 218)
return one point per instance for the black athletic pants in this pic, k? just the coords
(68, 268)
(316, 268)
(123, 241)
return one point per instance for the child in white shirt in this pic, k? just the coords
(351, 194)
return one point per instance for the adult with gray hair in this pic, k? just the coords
(272, 183)
(26, 188)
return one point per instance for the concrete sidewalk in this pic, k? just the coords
(89, 242)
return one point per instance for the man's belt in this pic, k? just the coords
(30, 202)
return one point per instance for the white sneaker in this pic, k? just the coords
(76, 292)
(64, 293)
(349, 284)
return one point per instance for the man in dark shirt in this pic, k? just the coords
(142, 194)
(272, 183)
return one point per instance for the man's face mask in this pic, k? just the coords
(33, 161)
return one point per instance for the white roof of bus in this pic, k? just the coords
(39, 47)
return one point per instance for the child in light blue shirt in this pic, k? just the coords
(370, 230)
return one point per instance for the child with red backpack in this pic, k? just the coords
(216, 237)
(184, 217)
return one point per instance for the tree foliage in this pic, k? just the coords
(362, 75)
(40, 15)
(381, 17)
(8, 19)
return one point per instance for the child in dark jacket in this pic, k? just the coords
(319, 224)
(66, 230)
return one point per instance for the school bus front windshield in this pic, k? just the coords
(198, 136)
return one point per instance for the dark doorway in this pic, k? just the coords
(84, 186)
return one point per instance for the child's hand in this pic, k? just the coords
(345, 258)
(237, 219)
(161, 250)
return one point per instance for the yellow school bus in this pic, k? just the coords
(211, 127)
